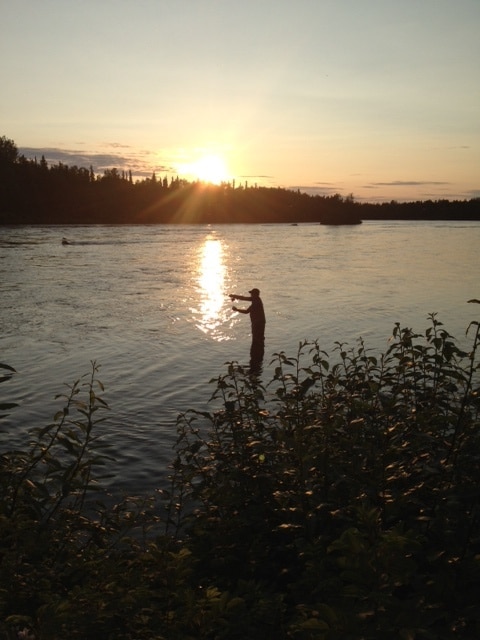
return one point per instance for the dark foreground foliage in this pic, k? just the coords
(340, 501)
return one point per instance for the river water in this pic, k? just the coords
(149, 304)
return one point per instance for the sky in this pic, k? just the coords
(379, 99)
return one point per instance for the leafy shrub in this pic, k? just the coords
(65, 558)
(350, 497)
(339, 501)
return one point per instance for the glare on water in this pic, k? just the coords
(212, 282)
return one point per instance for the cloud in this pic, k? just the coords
(141, 164)
(257, 177)
(318, 188)
(406, 183)
(118, 145)
(421, 195)
(424, 190)
(453, 148)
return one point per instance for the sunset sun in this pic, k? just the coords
(208, 168)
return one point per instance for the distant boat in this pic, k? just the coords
(65, 241)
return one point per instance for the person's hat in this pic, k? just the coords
(254, 292)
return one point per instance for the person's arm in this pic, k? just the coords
(241, 310)
(235, 296)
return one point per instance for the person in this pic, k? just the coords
(257, 319)
(256, 311)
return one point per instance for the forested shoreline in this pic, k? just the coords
(34, 192)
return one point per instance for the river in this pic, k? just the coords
(149, 304)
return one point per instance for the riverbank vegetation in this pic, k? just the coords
(339, 501)
(34, 192)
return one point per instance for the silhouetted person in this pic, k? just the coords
(257, 318)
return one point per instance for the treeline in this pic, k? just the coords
(34, 192)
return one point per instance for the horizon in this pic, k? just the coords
(326, 98)
(61, 157)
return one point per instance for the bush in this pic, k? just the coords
(349, 499)
(340, 501)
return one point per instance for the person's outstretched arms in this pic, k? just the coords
(236, 296)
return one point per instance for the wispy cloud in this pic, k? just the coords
(140, 163)
(406, 183)
(257, 177)
(319, 188)
(421, 190)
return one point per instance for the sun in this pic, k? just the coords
(210, 168)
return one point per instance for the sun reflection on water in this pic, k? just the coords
(211, 281)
